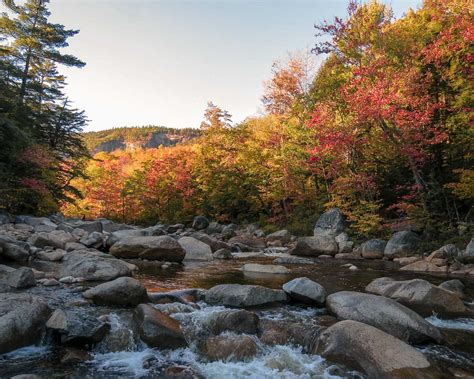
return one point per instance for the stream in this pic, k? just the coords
(122, 355)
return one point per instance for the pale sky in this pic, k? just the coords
(160, 61)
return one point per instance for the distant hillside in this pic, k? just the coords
(130, 138)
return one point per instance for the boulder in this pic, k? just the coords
(424, 266)
(34, 221)
(280, 332)
(264, 269)
(200, 223)
(228, 231)
(195, 249)
(237, 321)
(171, 308)
(373, 249)
(242, 296)
(94, 240)
(377, 353)
(306, 291)
(56, 239)
(121, 291)
(419, 295)
(222, 254)
(345, 245)
(214, 228)
(330, 223)
(71, 246)
(229, 348)
(51, 256)
(124, 234)
(467, 256)
(214, 243)
(383, 313)
(93, 265)
(15, 252)
(77, 328)
(22, 277)
(407, 260)
(162, 248)
(402, 244)
(315, 246)
(22, 318)
(89, 226)
(454, 285)
(157, 329)
(282, 236)
(251, 242)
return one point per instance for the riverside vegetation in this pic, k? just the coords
(334, 236)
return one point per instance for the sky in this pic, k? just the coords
(159, 62)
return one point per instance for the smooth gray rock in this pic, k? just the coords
(330, 223)
(93, 265)
(420, 295)
(242, 296)
(315, 246)
(15, 252)
(292, 261)
(467, 256)
(454, 285)
(56, 239)
(237, 321)
(94, 239)
(382, 313)
(373, 249)
(200, 223)
(157, 329)
(162, 248)
(195, 249)
(121, 292)
(22, 319)
(306, 291)
(402, 244)
(283, 236)
(222, 254)
(366, 348)
(22, 277)
(264, 269)
(229, 348)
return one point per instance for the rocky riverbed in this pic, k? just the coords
(98, 299)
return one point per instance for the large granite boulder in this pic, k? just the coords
(77, 328)
(200, 223)
(35, 221)
(306, 291)
(383, 313)
(283, 236)
(378, 354)
(162, 248)
(237, 321)
(315, 246)
(94, 265)
(467, 256)
(195, 249)
(330, 223)
(121, 291)
(402, 244)
(22, 277)
(373, 249)
(22, 319)
(420, 295)
(157, 329)
(242, 296)
(14, 250)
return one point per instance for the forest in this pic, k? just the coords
(382, 129)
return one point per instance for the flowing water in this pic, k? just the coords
(122, 355)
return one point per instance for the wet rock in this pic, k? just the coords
(242, 296)
(254, 243)
(22, 318)
(407, 260)
(200, 223)
(195, 249)
(278, 332)
(124, 234)
(248, 255)
(306, 291)
(213, 243)
(345, 245)
(51, 256)
(89, 226)
(382, 313)
(264, 269)
(75, 356)
(214, 228)
(77, 329)
(94, 265)
(348, 256)
(121, 292)
(283, 236)
(56, 239)
(22, 277)
(330, 223)
(34, 221)
(228, 231)
(157, 329)
(419, 295)
(373, 249)
(180, 372)
(162, 248)
(26, 376)
(293, 261)
(237, 321)
(222, 254)
(229, 348)
(315, 246)
(379, 354)
(454, 285)
(402, 244)
(14, 252)
(467, 256)
(49, 282)
(70, 246)
(171, 308)
(424, 266)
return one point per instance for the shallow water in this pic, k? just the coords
(136, 360)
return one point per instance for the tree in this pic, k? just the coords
(215, 117)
